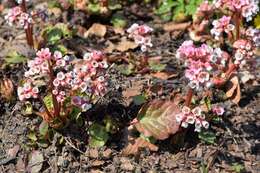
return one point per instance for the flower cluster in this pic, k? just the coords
(140, 34)
(194, 116)
(65, 77)
(27, 91)
(17, 16)
(222, 25)
(244, 51)
(201, 61)
(248, 8)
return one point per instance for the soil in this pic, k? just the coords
(238, 134)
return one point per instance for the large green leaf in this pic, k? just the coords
(158, 119)
(98, 135)
(14, 58)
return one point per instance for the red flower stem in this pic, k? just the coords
(29, 30)
(238, 22)
(189, 97)
(54, 100)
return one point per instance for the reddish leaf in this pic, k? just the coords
(157, 119)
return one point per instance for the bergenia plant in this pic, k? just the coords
(141, 35)
(62, 83)
(213, 66)
(19, 15)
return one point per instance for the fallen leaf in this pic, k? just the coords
(172, 26)
(122, 46)
(36, 162)
(6, 89)
(13, 151)
(157, 119)
(136, 144)
(134, 90)
(97, 30)
(164, 75)
(233, 91)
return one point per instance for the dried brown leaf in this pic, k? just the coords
(233, 91)
(97, 30)
(172, 26)
(164, 75)
(6, 89)
(122, 46)
(136, 144)
(134, 90)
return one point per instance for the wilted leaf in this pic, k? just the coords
(136, 144)
(6, 89)
(98, 135)
(233, 91)
(97, 30)
(36, 162)
(257, 21)
(27, 109)
(157, 119)
(132, 91)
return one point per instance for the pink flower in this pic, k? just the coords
(221, 25)
(194, 116)
(44, 54)
(140, 34)
(218, 110)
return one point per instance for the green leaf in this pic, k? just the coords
(166, 7)
(236, 167)
(208, 137)
(32, 136)
(156, 66)
(139, 99)
(54, 34)
(158, 119)
(126, 69)
(94, 8)
(98, 135)
(118, 21)
(43, 128)
(48, 101)
(14, 58)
